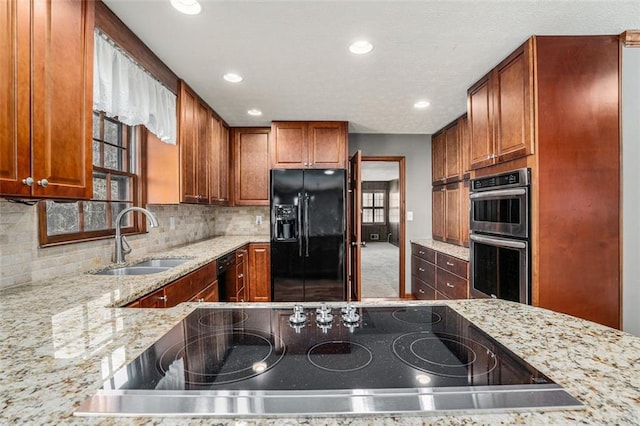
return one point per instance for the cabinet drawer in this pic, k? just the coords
(423, 253)
(453, 265)
(423, 270)
(209, 294)
(451, 285)
(422, 290)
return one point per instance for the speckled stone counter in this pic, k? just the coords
(61, 339)
(450, 249)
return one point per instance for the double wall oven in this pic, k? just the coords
(500, 242)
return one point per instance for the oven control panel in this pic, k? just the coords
(520, 177)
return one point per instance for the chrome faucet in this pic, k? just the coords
(121, 241)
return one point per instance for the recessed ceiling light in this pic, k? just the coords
(188, 7)
(232, 77)
(421, 104)
(254, 112)
(361, 47)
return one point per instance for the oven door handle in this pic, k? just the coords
(502, 193)
(498, 242)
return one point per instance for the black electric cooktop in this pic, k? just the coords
(340, 360)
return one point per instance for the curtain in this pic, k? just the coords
(124, 89)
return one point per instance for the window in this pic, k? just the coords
(116, 186)
(373, 207)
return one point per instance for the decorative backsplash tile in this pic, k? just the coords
(22, 261)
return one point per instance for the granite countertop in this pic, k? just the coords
(61, 339)
(446, 248)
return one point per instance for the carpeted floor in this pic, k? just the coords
(380, 270)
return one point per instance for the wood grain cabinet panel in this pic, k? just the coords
(303, 145)
(251, 166)
(438, 202)
(422, 290)
(452, 213)
(259, 272)
(453, 154)
(438, 157)
(46, 91)
(438, 276)
(155, 299)
(479, 111)
(424, 253)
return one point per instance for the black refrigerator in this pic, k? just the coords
(308, 234)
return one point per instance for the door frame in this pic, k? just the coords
(402, 184)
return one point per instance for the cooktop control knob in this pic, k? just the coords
(298, 317)
(324, 316)
(348, 307)
(323, 309)
(324, 327)
(349, 314)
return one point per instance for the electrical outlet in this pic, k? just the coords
(258, 220)
(409, 215)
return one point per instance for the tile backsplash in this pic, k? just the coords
(22, 261)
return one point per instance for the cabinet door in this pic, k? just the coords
(15, 144)
(464, 213)
(156, 299)
(209, 294)
(452, 155)
(465, 165)
(327, 145)
(62, 98)
(188, 140)
(259, 272)
(438, 219)
(215, 159)
(479, 110)
(251, 166)
(513, 105)
(422, 290)
(438, 155)
(224, 164)
(288, 145)
(452, 214)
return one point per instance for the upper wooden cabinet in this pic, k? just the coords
(250, 147)
(453, 153)
(500, 108)
(46, 89)
(303, 145)
(438, 157)
(449, 154)
(204, 151)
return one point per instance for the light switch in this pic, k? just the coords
(258, 220)
(409, 215)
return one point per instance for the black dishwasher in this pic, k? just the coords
(226, 274)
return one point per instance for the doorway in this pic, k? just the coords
(382, 228)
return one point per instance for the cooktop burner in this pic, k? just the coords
(331, 360)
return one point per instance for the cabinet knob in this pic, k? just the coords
(449, 285)
(201, 300)
(163, 298)
(241, 275)
(421, 252)
(421, 269)
(28, 181)
(449, 263)
(420, 291)
(43, 182)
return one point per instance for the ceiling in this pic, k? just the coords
(296, 65)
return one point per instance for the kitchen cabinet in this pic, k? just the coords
(453, 153)
(438, 276)
(438, 217)
(450, 212)
(464, 212)
(465, 164)
(204, 151)
(200, 285)
(250, 148)
(259, 272)
(500, 108)
(438, 157)
(46, 93)
(303, 145)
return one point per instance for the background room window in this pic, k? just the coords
(116, 186)
(373, 207)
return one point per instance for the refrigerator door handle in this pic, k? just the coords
(299, 224)
(306, 224)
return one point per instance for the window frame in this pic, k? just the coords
(138, 193)
(374, 207)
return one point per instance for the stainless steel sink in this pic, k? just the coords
(162, 262)
(133, 270)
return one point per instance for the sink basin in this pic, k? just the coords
(133, 270)
(170, 263)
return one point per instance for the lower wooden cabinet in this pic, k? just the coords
(191, 287)
(438, 276)
(259, 272)
(450, 213)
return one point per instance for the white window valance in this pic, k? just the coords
(121, 88)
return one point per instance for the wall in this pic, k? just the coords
(630, 192)
(22, 261)
(417, 152)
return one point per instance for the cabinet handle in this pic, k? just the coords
(43, 182)
(450, 264)
(201, 300)
(28, 181)
(420, 291)
(241, 275)
(449, 285)
(163, 298)
(421, 252)
(421, 269)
